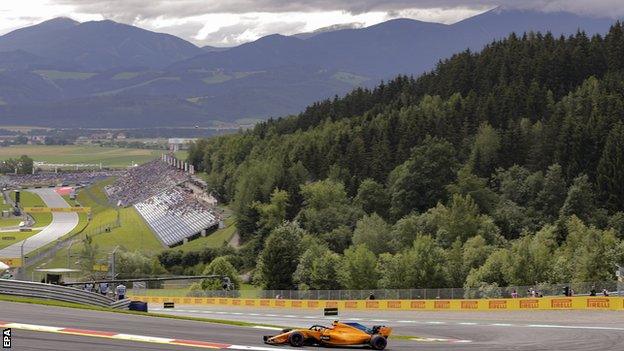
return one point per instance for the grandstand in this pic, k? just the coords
(54, 179)
(144, 181)
(176, 215)
(169, 199)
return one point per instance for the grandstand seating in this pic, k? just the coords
(175, 215)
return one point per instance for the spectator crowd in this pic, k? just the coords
(142, 182)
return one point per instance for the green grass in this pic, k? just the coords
(5, 205)
(125, 75)
(215, 239)
(72, 203)
(9, 222)
(116, 91)
(10, 238)
(216, 78)
(91, 154)
(29, 199)
(133, 234)
(54, 75)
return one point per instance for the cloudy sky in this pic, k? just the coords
(232, 22)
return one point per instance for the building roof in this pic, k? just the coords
(57, 270)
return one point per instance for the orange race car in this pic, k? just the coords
(339, 334)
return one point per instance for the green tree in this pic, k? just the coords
(326, 207)
(484, 156)
(492, 270)
(551, 197)
(358, 269)
(588, 254)
(280, 257)
(88, 254)
(273, 213)
(338, 239)
(325, 270)
(373, 198)
(303, 274)
(222, 267)
(395, 271)
(420, 182)
(469, 184)
(455, 269)
(133, 265)
(611, 168)
(460, 220)
(427, 262)
(406, 229)
(373, 232)
(580, 200)
(531, 258)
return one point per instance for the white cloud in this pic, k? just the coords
(231, 22)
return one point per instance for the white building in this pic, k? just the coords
(177, 144)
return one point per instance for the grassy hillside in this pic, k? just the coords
(506, 158)
(108, 156)
(10, 238)
(214, 240)
(133, 234)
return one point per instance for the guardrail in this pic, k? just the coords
(59, 293)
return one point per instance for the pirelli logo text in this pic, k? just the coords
(394, 304)
(598, 303)
(498, 305)
(297, 304)
(372, 304)
(470, 305)
(419, 305)
(529, 304)
(442, 305)
(350, 304)
(561, 303)
(313, 304)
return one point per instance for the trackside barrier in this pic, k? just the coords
(58, 293)
(519, 304)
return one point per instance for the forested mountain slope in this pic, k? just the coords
(502, 167)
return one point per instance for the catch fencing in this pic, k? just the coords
(186, 289)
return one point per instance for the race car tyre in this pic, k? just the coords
(378, 342)
(296, 339)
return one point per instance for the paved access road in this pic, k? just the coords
(62, 223)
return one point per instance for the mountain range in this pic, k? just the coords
(106, 74)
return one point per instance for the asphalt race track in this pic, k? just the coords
(62, 223)
(562, 330)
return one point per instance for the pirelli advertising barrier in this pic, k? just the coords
(56, 209)
(520, 304)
